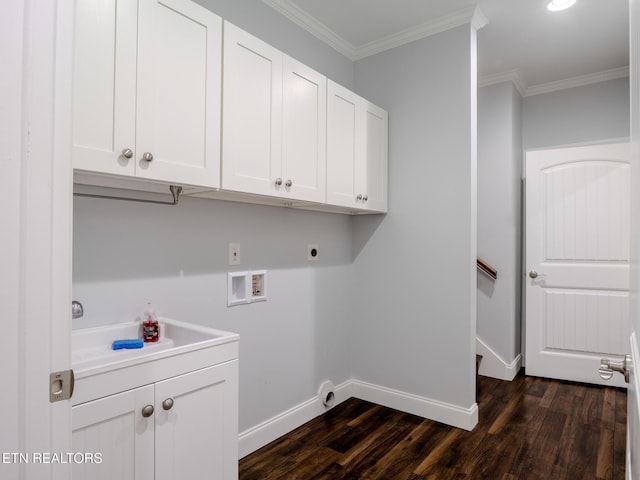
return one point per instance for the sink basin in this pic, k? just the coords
(91, 350)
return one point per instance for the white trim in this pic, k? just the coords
(465, 418)
(514, 76)
(471, 14)
(256, 437)
(313, 26)
(579, 81)
(525, 90)
(492, 365)
(634, 393)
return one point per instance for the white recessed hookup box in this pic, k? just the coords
(246, 287)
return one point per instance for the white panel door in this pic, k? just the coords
(179, 92)
(345, 145)
(304, 132)
(252, 113)
(115, 428)
(198, 436)
(104, 85)
(577, 260)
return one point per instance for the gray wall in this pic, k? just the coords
(415, 268)
(588, 114)
(499, 217)
(177, 256)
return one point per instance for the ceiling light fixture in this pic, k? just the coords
(557, 5)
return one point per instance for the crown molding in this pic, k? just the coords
(525, 90)
(513, 76)
(471, 15)
(313, 26)
(441, 24)
(579, 81)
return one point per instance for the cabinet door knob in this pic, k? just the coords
(278, 181)
(167, 404)
(147, 156)
(359, 197)
(147, 411)
(127, 153)
(365, 198)
(533, 274)
(288, 183)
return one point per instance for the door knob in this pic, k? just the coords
(533, 274)
(127, 153)
(147, 411)
(147, 156)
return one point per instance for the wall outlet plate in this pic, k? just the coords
(313, 252)
(234, 254)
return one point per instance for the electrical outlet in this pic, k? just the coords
(234, 254)
(313, 252)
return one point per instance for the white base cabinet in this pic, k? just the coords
(181, 428)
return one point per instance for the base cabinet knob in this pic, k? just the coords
(147, 411)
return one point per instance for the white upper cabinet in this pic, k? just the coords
(356, 151)
(147, 87)
(274, 121)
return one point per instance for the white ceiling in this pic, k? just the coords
(522, 40)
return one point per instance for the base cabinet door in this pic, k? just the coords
(196, 425)
(120, 438)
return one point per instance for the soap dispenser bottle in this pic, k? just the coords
(150, 326)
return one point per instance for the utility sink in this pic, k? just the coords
(91, 350)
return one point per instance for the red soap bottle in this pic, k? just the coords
(150, 326)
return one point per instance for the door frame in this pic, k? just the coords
(38, 211)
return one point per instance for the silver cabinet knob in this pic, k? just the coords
(359, 197)
(147, 411)
(288, 183)
(167, 404)
(147, 156)
(533, 274)
(278, 181)
(365, 198)
(127, 153)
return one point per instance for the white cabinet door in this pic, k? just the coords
(104, 80)
(115, 428)
(357, 135)
(345, 136)
(374, 173)
(274, 121)
(304, 132)
(198, 436)
(178, 96)
(252, 113)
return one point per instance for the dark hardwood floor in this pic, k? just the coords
(530, 428)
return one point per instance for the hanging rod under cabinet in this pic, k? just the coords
(174, 189)
(487, 269)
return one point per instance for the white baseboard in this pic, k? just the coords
(256, 437)
(493, 366)
(465, 418)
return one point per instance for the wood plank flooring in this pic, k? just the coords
(530, 428)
